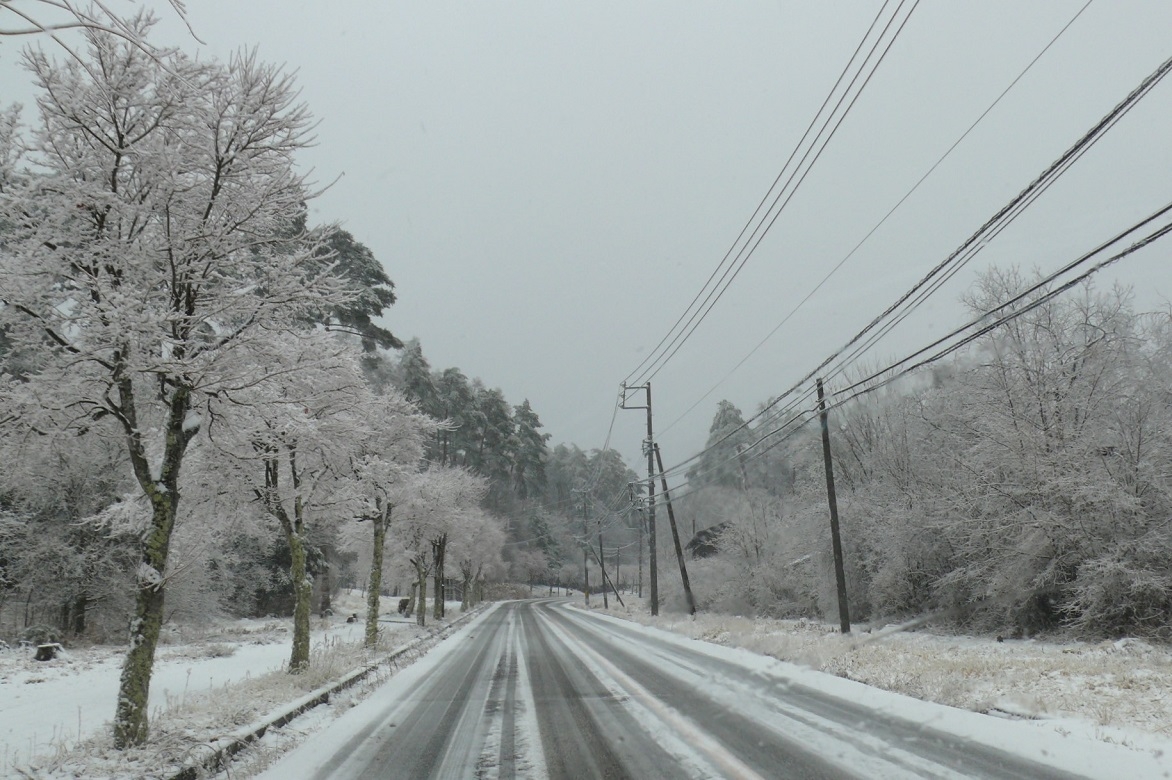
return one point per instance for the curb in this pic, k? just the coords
(224, 748)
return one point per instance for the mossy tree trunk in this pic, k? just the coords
(380, 523)
(302, 601)
(130, 717)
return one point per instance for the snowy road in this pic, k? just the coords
(540, 689)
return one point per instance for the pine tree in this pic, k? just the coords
(723, 463)
(531, 452)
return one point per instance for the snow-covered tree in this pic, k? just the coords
(385, 465)
(147, 258)
(722, 462)
(51, 17)
(530, 452)
(426, 521)
(290, 436)
(476, 548)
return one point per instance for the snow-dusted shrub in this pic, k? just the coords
(39, 635)
(1123, 594)
(714, 586)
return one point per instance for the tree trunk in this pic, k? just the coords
(376, 580)
(439, 551)
(326, 607)
(478, 586)
(302, 604)
(79, 609)
(130, 717)
(421, 613)
(73, 614)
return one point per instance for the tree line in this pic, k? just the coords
(1022, 486)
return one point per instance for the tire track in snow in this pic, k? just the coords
(697, 754)
(857, 742)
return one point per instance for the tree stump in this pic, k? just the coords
(47, 652)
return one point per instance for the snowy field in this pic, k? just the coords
(205, 684)
(1118, 692)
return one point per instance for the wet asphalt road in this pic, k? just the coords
(538, 689)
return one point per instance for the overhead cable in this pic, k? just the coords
(732, 264)
(968, 249)
(881, 222)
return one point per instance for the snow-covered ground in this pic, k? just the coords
(204, 684)
(1114, 691)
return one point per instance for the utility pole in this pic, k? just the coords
(844, 617)
(618, 572)
(649, 451)
(675, 535)
(637, 503)
(585, 549)
(602, 565)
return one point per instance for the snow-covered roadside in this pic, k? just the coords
(207, 687)
(46, 707)
(1118, 692)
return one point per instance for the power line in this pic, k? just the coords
(697, 314)
(1002, 314)
(1001, 220)
(763, 200)
(968, 249)
(1049, 295)
(882, 221)
(745, 255)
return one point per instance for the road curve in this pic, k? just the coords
(538, 689)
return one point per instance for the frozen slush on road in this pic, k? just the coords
(538, 689)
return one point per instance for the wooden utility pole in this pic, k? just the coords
(844, 617)
(648, 447)
(602, 565)
(675, 535)
(652, 569)
(634, 503)
(585, 551)
(642, 520)
(618, 573)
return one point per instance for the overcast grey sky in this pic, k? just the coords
(549, 183)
